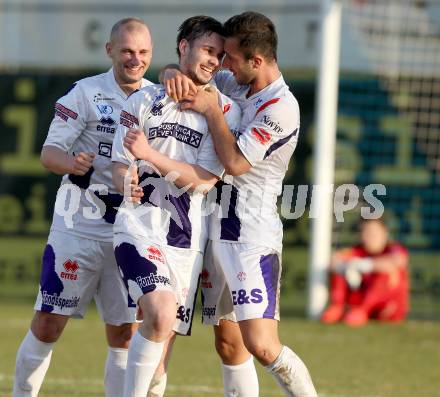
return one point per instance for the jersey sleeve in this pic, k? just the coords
(131, 117)
(275, 124)
(71, 114)
(207, 157)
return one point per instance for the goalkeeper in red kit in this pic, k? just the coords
(370, 280)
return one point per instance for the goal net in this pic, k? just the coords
(389, 128)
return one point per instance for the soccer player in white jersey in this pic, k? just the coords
(241, 279)
(160, 235)
(78, 261)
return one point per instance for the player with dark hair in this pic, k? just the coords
(369, 280)
(159, 239)
(78, 261)
(241, 284)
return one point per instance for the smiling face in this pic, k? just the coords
(236, 62)
(130, 51)
(201, 58)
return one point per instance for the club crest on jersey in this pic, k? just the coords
(71, 268)
(105, 109)
(154, 254)
(156, 109)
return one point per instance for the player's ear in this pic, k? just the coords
(256, 61)
(183, 46)
(108, 49)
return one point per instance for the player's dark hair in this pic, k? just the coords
(197, 26)
(255, 33)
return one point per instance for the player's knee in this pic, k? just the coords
(227, 349)
(161, 321)
(48, 327)
(259, 349)
(120, 336)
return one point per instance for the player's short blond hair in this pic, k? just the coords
(130, 24)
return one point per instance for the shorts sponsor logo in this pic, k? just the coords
(242, 297)
(177, 131)
(55, 300)
(152, 279)
(183, 314)
(71, 268)
(205, 279)
(64, 113)
(241, 276)
(209, 311)
(155, 254)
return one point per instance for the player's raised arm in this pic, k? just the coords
(177, 85)
(206, 102)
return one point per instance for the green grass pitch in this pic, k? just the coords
(375, 361)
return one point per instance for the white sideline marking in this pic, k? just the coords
(170, 387)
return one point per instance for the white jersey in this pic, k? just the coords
(267, 137)
(168, 215)
(86, 119)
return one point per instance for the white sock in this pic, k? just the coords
(292, 375)
(240, 380)
(114, 375)
(32, 362)
(143, 358)
(158, 386)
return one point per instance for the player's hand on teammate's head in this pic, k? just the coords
(81, 163)
(136, 142)
(177, 85)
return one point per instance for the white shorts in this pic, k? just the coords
(240, 282)
(147, 267)
(74, 270)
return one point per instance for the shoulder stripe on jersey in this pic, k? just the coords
(279, 143)
(266, 104)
